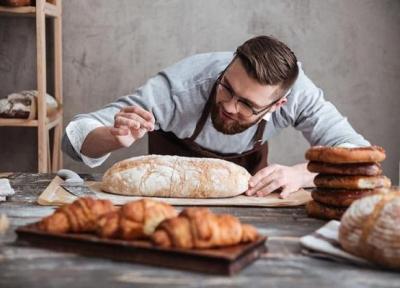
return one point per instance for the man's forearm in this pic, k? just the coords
(99, 142)
(307, 176)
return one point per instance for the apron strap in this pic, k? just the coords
(259, 134)
(204, 115)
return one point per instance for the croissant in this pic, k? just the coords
(200, 228)
(135, 220)
(79, 216)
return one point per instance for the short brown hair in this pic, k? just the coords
(269, 61)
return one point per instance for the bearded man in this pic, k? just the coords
(222, 105)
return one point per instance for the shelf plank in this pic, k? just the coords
(51, 121)
(49, 10)
(18, 122)
(25, 10)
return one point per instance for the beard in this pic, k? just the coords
(228, 127)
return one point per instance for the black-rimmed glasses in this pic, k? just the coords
(242, 107)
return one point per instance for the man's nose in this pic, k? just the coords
(230, 106)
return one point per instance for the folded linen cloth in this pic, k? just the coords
(5, 189)
(324, 243)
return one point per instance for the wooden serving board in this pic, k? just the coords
(226, 261)
(54, 194)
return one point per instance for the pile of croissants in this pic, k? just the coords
(156, 221)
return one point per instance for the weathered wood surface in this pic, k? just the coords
(283, 266)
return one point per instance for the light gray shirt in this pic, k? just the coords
(177, 95)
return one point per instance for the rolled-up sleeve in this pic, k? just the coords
(154, 96)
(75, 135)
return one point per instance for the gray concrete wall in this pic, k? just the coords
(350, 48)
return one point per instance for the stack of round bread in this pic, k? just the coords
(370, 229)
(344, 175)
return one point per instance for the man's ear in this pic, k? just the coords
(279, 104)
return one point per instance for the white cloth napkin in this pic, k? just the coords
(5, 189)
(324, 243)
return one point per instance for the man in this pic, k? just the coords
(225, 105)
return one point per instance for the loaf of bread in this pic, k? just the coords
(174, 176)
(24, 105)
(341, 155)
(370, 229)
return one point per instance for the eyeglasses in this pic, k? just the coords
(242, 107)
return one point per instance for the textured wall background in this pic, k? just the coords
(350, 48)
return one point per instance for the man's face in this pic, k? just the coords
(224, 114)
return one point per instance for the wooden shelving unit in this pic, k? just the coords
(44, 123)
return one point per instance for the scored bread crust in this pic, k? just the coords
(342, 197)
(370, 229)
(351, 182)
(342, 155)
(318, 210)
(175, 176)
(363, 169)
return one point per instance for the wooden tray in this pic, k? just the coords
(225, 261)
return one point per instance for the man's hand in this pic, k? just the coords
(131, 124)
(287, 178)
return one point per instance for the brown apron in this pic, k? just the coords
(166, 143)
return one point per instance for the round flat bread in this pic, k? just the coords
(315, 209)
(363, 169)
(342, 197)
(351, 182)
(342, 155)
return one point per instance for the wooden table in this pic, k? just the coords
(283, 266)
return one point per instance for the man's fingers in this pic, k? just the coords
(261, 175)
(140, 111)
(260, 185)
(123, 121)
(271, 187)
(139, 133)
(122, 131)
(264, 182)
(254, 187)
(132, 116)
(250, 192)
